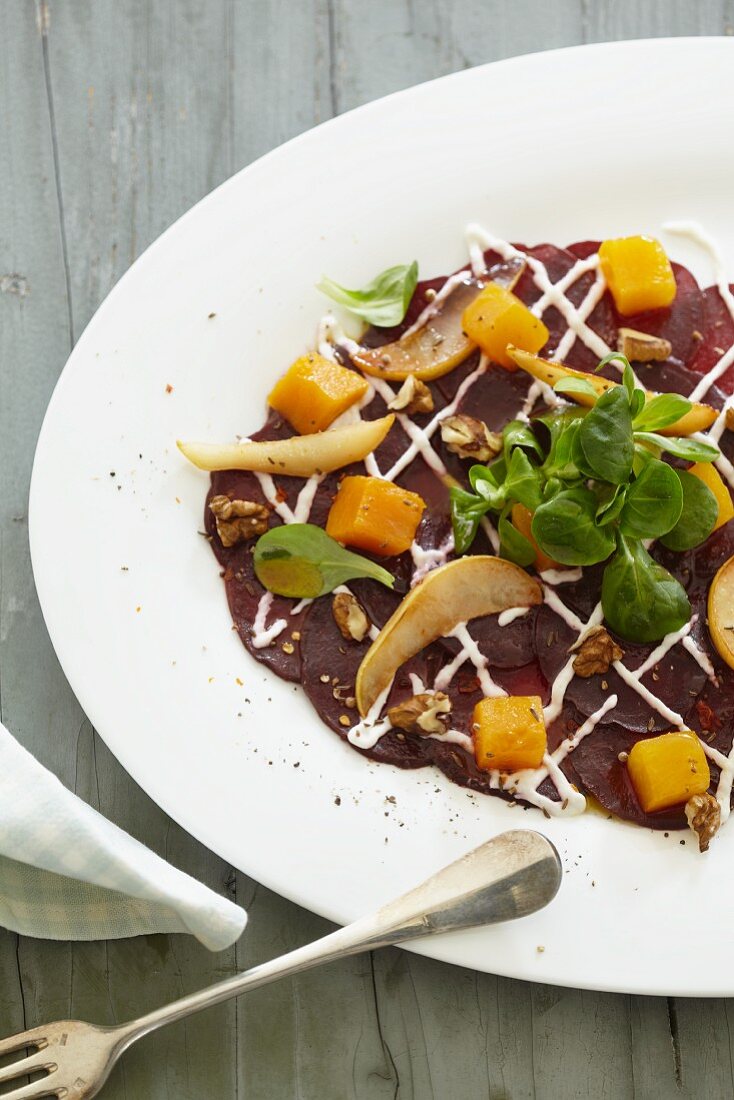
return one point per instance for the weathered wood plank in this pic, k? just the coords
(607, 20)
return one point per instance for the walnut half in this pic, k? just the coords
(641, 347)
(595, 651)
(238, 520)
(703, 814)
(470, 438)
(350, 616)
(424, 713)
(413, 396)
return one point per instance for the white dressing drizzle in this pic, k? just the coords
(695, 232)
(591, 300)
(301, 606)
(426, 560)
(434, 306)
(456, 737)
(555, 603)
(263, 636)
(367, 732)
(722, 463)
(666, 643)
(469, 651)
(525, 783)
(506, 617)
(726, 779)
(561, 576)
(479, 240)
(566, 675)
(491, 533)
(698, 655)
(421, 437)
(538, 390)
(330, 332)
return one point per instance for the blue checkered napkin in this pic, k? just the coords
(66, 873)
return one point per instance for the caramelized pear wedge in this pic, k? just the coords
(301, 456)
(697, 419)
(452, 594)
(721, 612)
(440, 344)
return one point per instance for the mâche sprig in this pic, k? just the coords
(598, 488)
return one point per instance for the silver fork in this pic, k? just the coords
(510, 876)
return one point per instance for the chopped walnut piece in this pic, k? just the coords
(729, 418)
(595, 651)
(641, 347)
(238, 520)
(470, 438)
(703, 815)
(424, 713)
(413, 396)
(350, 616)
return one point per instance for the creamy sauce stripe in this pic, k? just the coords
(696, 233)
(368, 731)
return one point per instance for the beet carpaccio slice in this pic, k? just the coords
(300, 641)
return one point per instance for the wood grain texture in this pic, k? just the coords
(117, 115)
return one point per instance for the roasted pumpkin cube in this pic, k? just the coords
(710, 476)
(638, 274)
(522, 519)
(497, 318)
(314, 391)
(666, 770)
(375, 515)
(509, 733)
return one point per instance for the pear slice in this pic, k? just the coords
(300, 456)
(452, 594)
(440, 344)
(721, 612)
(697, 419)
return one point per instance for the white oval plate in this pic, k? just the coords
(559, 146)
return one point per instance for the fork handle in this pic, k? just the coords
(336, 945)
(512, 875)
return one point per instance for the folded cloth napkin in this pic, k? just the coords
(66, 873)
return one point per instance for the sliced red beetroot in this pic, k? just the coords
(676, 679)
(244, 591)
(583, 249)
(422, 296)
(495, 398)
(598, 771)
(678, 323)
(670, 377)
(717, 336)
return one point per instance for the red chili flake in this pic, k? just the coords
(169, 388)
(707, 717)
(468, 686)
(281, 495)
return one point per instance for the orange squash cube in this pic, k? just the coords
(638, 274)
(666, 770)
(497, 318)
(509, 733)
(710, 476)
(375, 515)
(314, 391)
(522, 518)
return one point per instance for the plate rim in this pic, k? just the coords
(152, 784)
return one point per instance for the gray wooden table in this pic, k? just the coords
(116, 116)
